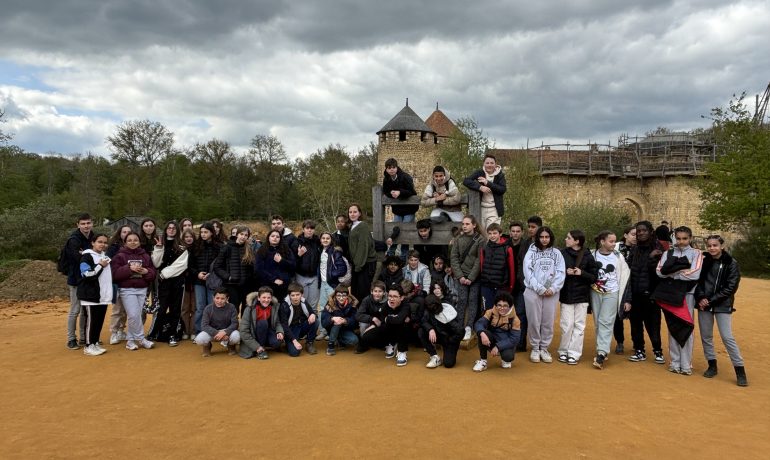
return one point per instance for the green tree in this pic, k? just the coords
(36, 230)
(736, 188)
(464, 151)
(591, 218)
(325, 182)
(141, 142)
(212, 168)
(525, 189)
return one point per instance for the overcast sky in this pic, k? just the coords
(319, 72)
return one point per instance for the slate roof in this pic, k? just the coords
(406, 120)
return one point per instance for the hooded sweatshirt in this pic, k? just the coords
(452, 202)
(544, 269)
(103, 274)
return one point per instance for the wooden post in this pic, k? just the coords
(378, 210)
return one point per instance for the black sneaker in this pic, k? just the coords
(639, 355)
(599, 361)
(172, 341)
(73, 344)
(659, 359)
(330, 351)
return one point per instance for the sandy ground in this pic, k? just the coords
(164, 403)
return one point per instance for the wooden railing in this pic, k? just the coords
(442, 232)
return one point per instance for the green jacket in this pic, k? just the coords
(469, 266)
(361, 246)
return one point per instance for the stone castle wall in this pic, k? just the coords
(674, 199)
(417, 155)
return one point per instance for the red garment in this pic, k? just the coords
(264, 313)
(680, 311)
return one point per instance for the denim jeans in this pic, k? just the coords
(344, 336)
(203, 297)
(301, 330)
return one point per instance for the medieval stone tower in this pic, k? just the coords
(414, 143)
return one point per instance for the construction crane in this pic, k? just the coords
(761, 107)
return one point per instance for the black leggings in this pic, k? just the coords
(166, 323)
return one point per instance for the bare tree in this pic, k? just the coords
(141, 142)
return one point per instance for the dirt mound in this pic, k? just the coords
(37, 280)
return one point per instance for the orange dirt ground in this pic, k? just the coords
(172, 403)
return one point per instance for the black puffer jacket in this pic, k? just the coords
(201, 258)
(371, 308)
(719, 279)
(577, 288)
(229, 265)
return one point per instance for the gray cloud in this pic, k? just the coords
(315, 73)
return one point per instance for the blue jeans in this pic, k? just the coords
(404, 247)
(203, 297)
(344, 336)
(298, 331)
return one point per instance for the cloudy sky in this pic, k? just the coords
(319, 72)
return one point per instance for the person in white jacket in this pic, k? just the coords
(544, 274)
(170, 258)
(607, 293)
(95, 291)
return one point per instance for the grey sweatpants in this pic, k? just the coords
(311, 289)
(681, 356)
(541, 313)
(133, 302)
(72, 318)
(725, 326)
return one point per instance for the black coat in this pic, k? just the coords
(229, 265)
(497, 186)
(719, 279)
(643, 278)
(201, 258)
(404, 184)
(577, 288)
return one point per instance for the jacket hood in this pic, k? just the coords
(446, 174)
(497, 170)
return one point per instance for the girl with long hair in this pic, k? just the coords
(95, 291)
(235, 266)
(544, 273)
(203, 254)
(170, 258)
(147, 233)
(118, 315)
(133, 271)
(607, 293)
(715, 294)
(623, 246)
(188, 303)
(274, 264)
(464, 258)
(575, 296)
(363, 258)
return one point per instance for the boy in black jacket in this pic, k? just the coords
(298, 320)
(390, 327)
(440, 325)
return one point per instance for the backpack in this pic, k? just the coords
(347, 278)
(62, 263)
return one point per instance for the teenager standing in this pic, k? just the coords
(363, 258)
(544, 273)
(606, 301)
(715, 297)
(575, 296)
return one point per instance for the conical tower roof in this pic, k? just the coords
(406, 120)
(441, 124)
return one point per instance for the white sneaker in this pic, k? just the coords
(545, 356)
(131, 345)
(467, 335)
(535, 356)
(434, 362)
(224, 343)
(505, 364)
(480, 365)
(146, 344)
(122, 336)
(401, 359)
(114, 338)
(100, 348)
(91, 350)
(390, 351)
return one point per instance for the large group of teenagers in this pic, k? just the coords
(291, 292)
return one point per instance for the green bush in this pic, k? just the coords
(753, 252)
(36, 230)
(591, 218)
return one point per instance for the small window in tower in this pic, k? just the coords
(401, 136)
(435, 139)
(422, 136)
